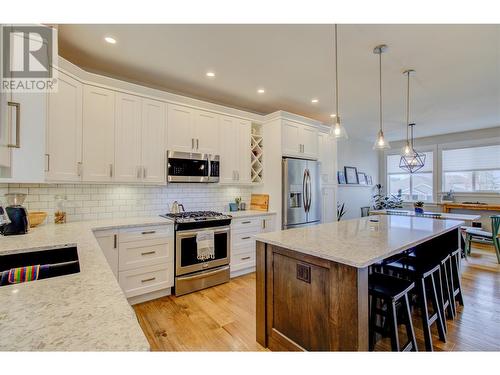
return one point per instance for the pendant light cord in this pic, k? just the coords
(380, 87)
(407, 106)
(336, 78)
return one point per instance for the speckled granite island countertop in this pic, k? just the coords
(360, 242)
(86, 311)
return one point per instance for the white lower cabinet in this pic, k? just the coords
(243, 231)
(142, 259)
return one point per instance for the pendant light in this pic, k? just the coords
(337, 130)
(380, 143)
(411, 160)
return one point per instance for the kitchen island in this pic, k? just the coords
(312, 282)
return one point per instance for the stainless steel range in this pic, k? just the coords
(191, 273)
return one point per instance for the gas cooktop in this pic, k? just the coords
(196, 216)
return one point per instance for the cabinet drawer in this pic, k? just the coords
(243, 260)
(145, 280)
(146, 233)
(137, 254)
(251, 222)
(243, 239)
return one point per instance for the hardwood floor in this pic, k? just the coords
(222, 318)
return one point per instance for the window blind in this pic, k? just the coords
(471, 159)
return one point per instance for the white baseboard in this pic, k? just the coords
(149, 296)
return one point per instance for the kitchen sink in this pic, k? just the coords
(53, 262)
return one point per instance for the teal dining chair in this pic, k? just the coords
(472, 234)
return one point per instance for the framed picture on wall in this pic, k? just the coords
(369, 180)
(362, 178)
(341, 178)
(351, 175)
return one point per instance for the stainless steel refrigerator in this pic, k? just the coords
(301, 193)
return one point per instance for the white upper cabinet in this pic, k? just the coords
(234, 136)
(22, 125)
(128, 138)
(153, 141)
(205, 130)
(191, 130)
(244, 158)
(299, 140)
(98, 134)
(328, 159)
(180, 121)
(64, 131)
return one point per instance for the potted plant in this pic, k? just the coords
(383, 202)
(419, 207)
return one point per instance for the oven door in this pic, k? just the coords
(188, 167)
(186, 260)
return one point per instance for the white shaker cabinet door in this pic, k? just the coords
(244, 158)
(180, 128)
(228, 136)
(153, 141)
(327, 155)
(291, 139)
(309, 140)
(206, 132)
(108, 242)
(329, 204)
(128, 133)
(98, 134)
(64, 131)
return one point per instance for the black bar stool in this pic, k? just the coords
(427, 278)
(390, 293)
(456, 284)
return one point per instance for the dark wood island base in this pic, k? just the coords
(309, 303)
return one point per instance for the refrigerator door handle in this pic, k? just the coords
(309, 191)
(304, 191)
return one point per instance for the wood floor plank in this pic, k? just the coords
(222, 318)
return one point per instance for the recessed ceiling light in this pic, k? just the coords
(333, 115)
(261, 91)
(314, 100)
(110, 40)
(210, 74)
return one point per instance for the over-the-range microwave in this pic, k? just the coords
(192, 167)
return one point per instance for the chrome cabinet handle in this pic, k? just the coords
(115, 241)
(245, 258)
(144, 172)
(150, 279)
(246, 238)
(18, 125)
(148, 252)
(192, 143)
(197, 143)
(138, 172)
(149, 232)
(79, 166)
(111, 170)
(48, 163)
(245, 222)
(263, 223)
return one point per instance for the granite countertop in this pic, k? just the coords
(248, 213)
(442, 215)
(86, 311)
(360, 242)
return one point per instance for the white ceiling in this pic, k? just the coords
(456, 86)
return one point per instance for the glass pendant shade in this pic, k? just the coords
(337, 130)
(406, 149)
(381, 143)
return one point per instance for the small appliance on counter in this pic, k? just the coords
(14, 217)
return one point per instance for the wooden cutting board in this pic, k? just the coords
(259, 202)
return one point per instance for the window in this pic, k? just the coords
(413, 186)
(472, 169)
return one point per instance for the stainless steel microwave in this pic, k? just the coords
(192, 167)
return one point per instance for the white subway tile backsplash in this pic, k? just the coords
(89, 202)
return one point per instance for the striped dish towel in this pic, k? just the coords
(23, 274)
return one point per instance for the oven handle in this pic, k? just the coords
(203, 273)
(183, 233)
(209, 165)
